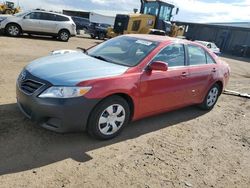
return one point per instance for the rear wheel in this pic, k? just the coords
(211, 97)
(108, 118)
(64, 35)
(101, 36)
(13, 30)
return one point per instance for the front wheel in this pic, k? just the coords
(211, 97)
(64, 35)
(108, 118)
(13, 30)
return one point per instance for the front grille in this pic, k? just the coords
(30, 86)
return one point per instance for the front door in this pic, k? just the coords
(31, 22)
(165, 90)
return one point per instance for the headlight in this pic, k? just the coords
(2, 19)
(64, 92)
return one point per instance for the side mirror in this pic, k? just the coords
(159, 66)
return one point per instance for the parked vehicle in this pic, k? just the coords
(212, 46)
(8, 7)
(125, 78)
(241, 50)
(154, 18)
(81, 23)
(101, 18)
(39, 22)
(98, 30)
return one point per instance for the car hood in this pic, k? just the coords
(13, 18)
(6, 16)
(71, 68)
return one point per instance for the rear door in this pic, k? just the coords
(163, 90)
(48, 23)
(202, 72)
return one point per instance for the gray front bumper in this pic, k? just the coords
(60, 115)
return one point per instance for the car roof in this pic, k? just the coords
(156, 38)
(205, 42)
(44, 11)
(163, 39)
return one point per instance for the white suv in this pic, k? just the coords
(39, 22)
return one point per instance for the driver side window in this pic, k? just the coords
(174, 55)
(33, 16)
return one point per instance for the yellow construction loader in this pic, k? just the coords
(154, 18)
(9, 8)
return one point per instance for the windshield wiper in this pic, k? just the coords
(83, 50)
(101, 58)
(104, 59)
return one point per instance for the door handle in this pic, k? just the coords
(214, 70)
(184, 74)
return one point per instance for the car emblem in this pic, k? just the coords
(22, 76)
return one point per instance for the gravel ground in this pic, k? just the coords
(184, 148)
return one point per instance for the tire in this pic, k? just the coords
(64, 35)
(13, 30)
(92, 36)
(101, 36)
(8, 11)
(211, 97)
(108, 118)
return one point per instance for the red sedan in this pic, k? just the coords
(123, 79)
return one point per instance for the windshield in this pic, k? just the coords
(20, 14)
(124, 50)
(151, 8)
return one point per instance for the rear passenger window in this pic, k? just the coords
(197, 55)
(210, 60)
(62, 18)
(47, 16)
(174, 55)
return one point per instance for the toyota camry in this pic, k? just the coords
(126, 78)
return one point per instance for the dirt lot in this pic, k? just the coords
(185, 148)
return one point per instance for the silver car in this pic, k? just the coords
(39, 22)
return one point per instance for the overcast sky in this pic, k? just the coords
(190, 10)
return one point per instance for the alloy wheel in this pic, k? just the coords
(13, 30)
(64, 36)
